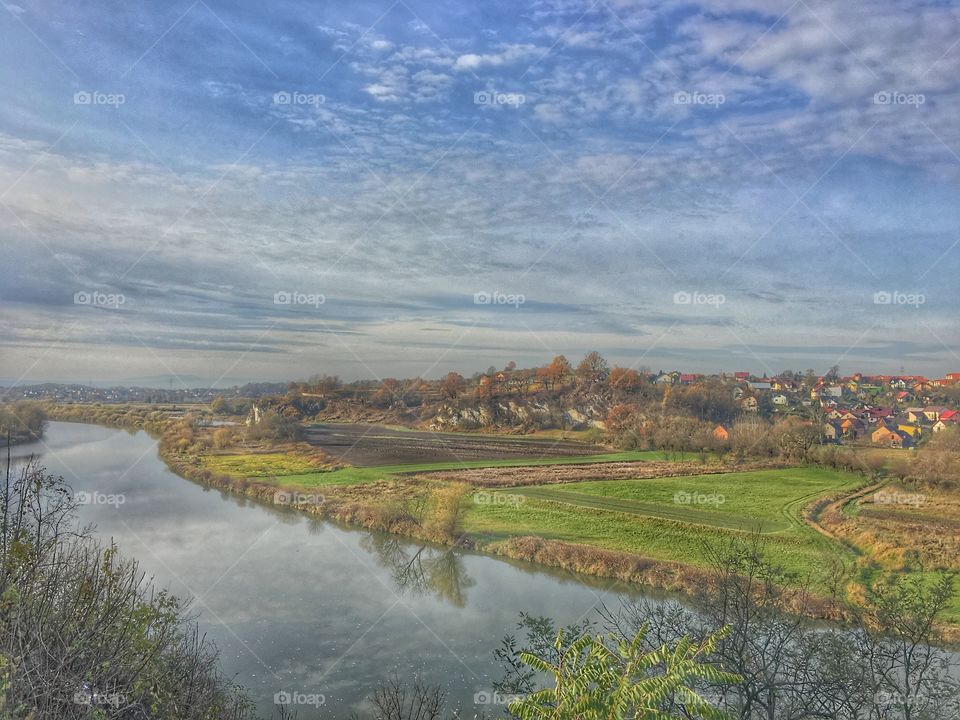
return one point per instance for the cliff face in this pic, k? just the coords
(578, 411)
(519, 415)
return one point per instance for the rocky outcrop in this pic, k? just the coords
(514, 415)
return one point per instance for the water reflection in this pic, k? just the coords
(421, 570)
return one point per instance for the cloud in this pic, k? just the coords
(505, 55)
(399, 197)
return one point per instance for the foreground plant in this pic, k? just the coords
(602, 678)
(83, 634)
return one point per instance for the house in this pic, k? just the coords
(749, 404)
(883, 435)
(904, 396)
(831, 432)
(950, 417)
(913, 431)
(924, 414)
(780, 400)
(742, 375)
(891, 438)
(687, 378)
(852, 428)
(933, 413)
(760, 385)
(875, 415)
(721, 433)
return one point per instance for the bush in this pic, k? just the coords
(83, 635)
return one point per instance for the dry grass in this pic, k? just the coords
(900, 527)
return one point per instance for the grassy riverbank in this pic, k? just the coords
(635, 516)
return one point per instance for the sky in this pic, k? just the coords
(219, 192)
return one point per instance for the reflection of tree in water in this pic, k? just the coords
(422, 570)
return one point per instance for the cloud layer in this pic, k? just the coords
(280, 191)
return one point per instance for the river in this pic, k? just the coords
(298, 605)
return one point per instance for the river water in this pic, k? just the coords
(304, 607)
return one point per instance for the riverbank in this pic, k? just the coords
(576, 528)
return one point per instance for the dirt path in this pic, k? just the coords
(813, 518)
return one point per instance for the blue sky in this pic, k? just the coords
(718, 185)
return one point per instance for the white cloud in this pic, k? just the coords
(506, 55)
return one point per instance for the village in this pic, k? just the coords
(885, 410)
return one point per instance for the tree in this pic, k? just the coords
(593, 368)
(22, 420)
(886, 665)
(625, 379)
(555, 373)
(82, 633)
(452, 385)
(603, 678)
(324, 383)
(794, 436)
(222, 438)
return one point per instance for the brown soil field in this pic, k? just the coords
(554, 474)
(367, 445)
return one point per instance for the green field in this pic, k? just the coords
(258, 464)
(642, 516)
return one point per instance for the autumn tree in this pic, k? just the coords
(592, 369)
(555, 373)
(625, 379)
(220, 406)
(452, 385)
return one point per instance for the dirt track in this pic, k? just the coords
(366, 445)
